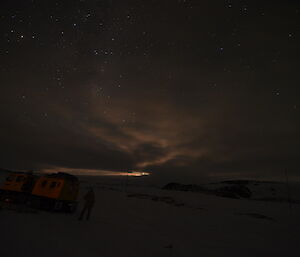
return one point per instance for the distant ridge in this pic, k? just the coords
(231, 190)
(272, 191)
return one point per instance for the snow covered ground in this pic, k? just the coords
(141, 221)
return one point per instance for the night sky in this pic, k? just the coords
(182, 89)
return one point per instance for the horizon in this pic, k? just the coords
(147, 176)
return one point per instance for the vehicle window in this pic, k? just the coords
(44, 183)
(19, 179)
(53, 184)
(9, 179)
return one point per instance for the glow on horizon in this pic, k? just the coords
(94, 172)
(131, 174)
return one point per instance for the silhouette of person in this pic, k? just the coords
(89, 201)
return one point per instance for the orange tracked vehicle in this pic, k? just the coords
(53, 192)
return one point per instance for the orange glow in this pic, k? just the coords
(94, 172)
(132, 174)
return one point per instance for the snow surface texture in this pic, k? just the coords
(140, 221)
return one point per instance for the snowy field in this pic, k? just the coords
(140, 221)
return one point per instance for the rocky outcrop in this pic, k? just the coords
(234, 191)
(182, 187)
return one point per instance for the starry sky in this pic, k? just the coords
(183, 89)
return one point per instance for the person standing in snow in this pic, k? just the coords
(89, 201)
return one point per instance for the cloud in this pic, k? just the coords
(161, 96)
